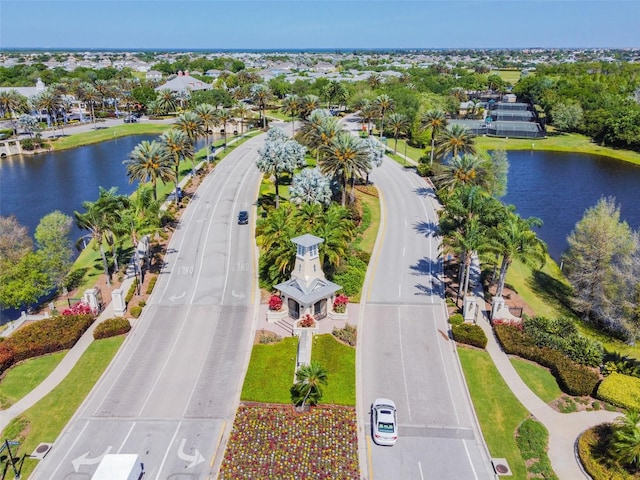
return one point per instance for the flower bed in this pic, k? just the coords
(274, 442)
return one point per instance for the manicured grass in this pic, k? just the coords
(45, 420)
(371, 233)
(270, 374)
(102, 134)
(538, 379)
(279, 114)
(498, 410)
(24, 377)
(339, 360)
(567, 142)
(511, 76)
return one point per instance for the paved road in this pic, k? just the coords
(172, 390)
(405, 352)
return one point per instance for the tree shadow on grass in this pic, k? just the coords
(550, 290)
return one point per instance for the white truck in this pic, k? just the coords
(119, 467)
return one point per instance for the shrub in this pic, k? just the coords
(592, 447)
(573, 378)
(340, 303)
(269, 337)
(136, 311)
(348, 334)
(132, 291)
(112, 327)
(620, 390)
(469, 334)
(152, 283)
(79, 308)
(307, 321)
(456, 319)
(352, 278)
(275, 303)
(142, 303)
(74, 278)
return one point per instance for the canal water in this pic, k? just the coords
(560, 187)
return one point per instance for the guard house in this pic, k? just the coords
(308, 291)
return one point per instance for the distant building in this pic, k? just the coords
(153, 75)
(184, 83)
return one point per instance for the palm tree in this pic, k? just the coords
(383, 104)
(308, 103)
(225, 116)
(10, 103)
(513, 239)
(110, 205)
(338, 231)
(625, 445)
(209, 116)
(308, 386)
(150, 161)
(191, 125)
(455, 140)
(319, 131)
(291, 106)
(310, 187)
(260, 95)
(465, 170)
(399, 124)
(89, 94)
(241, 109)
(167, 101)
(179, 146)
(436, 121)
(49, 101)
(93, 220)
(274, 235)
(345, 157)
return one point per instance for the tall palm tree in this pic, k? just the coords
(191, 125)
(209, 116)
(455, 140)
(89, 94)
(150, 161)
(167, 101)
(260, 95)
(308, 103)
(367, 112)
(225, 116)
(49, 101)
(179, 146)
(465, 170)
(110, 205)
(345, 157)
(338, 231)
(513, 239)
(383, 104)
(10, 103)
(93, 220)
(291, 106)
(436, 121)
(319, 131)
(242, 110)
(308, 387)
(399, 124)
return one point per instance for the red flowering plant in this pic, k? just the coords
(340, 303)
(275, 303)
(307, 321)
(79, 308)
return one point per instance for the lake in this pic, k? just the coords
(560, 187)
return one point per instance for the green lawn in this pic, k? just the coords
(538, 379)
(100, 135)
(498, 410)
(270, 373)
(511, 76)
(45, 420)
(371, 233)
(340, 362)
(24, 377)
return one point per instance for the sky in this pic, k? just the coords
(313, 24)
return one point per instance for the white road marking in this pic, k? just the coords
(127, 437)
(404, 372)
(166, 454)
(193, 459)
(85, 460)
(420, 468)
(73, 444)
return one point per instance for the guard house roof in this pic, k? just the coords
(307, 240)
(319, 289)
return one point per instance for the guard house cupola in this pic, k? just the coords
(307, 267)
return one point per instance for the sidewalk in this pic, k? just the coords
(564, 428)
(63, 368)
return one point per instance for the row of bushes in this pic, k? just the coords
(592, 445)
(348, 334)
(620, 390)
(470, 334)
(39, 338)
(111, 328)
(573, 378)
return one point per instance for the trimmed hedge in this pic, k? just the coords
(42, 337)
(470, 334)
(132, 291)
(591, 445)
(573, 378)
(136, 311)
(152, 283)
(621, 390)
(456, 319)
(111, 328)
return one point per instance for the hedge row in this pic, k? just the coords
(573, 378)
(42, 337)
(470, 334)
(112, 327)
(621, 390)
(591, 444)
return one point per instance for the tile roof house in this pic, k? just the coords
(184, 82)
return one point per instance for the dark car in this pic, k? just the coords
(130, 119)
(243, 217)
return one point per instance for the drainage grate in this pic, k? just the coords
(41, 451)
(501, 466)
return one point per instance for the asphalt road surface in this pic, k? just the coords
(171, 392)
(406, 354)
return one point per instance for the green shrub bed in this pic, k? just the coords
(469, 334)
(152, 283)
(112, 327)
(621, 390)
(573, 378)
(136, 311)
(456, 319)
(592, 447)
(42, 337)
(532, 442)
(348, 334)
